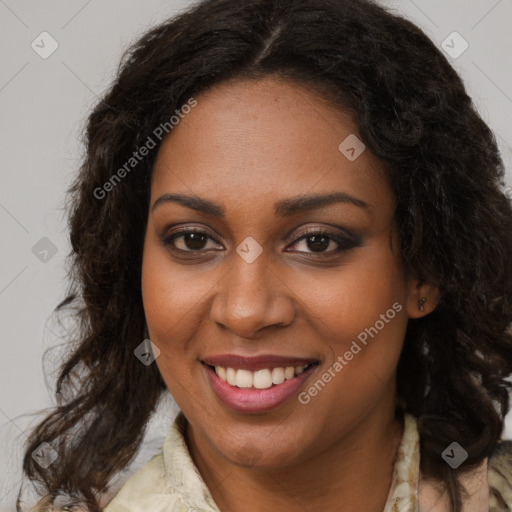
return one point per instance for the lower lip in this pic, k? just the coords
(256, 400)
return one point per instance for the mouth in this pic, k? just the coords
(257, 391)
(263, 378)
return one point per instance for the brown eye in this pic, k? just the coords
(314, 241)
(188, 240)
(318, 241)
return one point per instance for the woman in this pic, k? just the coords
(290, 217)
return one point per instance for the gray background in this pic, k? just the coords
(43, 105)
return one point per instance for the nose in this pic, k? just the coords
(251, 297)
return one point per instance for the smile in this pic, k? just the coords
(260, 379)
(257, 391)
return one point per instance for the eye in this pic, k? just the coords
(194, 240)
(319, 240)
(188, 240)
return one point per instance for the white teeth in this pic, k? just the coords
(260, 379)
(243, 378)
(289, 373)
(230, 375)
(221, 372)
(278, 375)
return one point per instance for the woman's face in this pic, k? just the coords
(254, 283)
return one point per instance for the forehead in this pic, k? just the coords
(253, 142)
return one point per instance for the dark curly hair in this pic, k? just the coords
(454, 223)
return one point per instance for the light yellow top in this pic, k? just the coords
(170, 481)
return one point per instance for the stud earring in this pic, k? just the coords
(421, 302)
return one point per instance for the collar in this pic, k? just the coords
(410, 491)
(171, 480)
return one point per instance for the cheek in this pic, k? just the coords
(165, 307)
(358, 312)
(166, 303)
(352, 297)
(361, 319)
(170, 296)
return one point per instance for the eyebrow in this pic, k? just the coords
(283, 208)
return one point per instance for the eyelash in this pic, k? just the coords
(344, 243)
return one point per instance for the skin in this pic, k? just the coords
(245, 146)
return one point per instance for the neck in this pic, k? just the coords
(356, 471)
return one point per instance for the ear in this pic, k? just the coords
(418, 290)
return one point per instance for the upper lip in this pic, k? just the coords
(256, 363)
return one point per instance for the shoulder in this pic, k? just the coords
(153, 489)
(500, 478)
(141, 489)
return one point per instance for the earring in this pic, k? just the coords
(421, 302)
